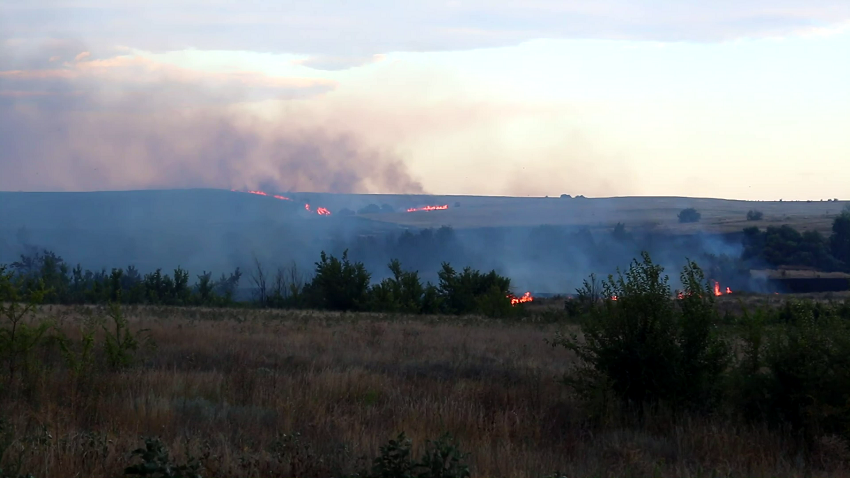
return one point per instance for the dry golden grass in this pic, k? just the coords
(230, 383)
(656, 214)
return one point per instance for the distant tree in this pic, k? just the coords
(754, 215)
(339, 284)
(401, 293)
(471, 291)
(785, 245)
(689, 215)
(226, 285)
(386, 208)
(619, 233)
(565, 196)
(840, 240)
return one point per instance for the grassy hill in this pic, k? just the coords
(206, 229)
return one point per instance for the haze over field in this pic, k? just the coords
(742, 100)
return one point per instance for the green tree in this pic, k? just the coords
(403, 292)
(645, 348)
(753, 215)
(839, 242)
(19, 336)
(689, 215)
(472, 291)
(339, 284)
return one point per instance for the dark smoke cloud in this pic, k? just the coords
(86, 133)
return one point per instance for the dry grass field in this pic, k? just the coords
(233, 386)
(658, 214)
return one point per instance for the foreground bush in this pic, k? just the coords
(796, 375)
(644, 347)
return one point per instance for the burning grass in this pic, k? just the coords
(299, 393)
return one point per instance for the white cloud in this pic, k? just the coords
(346, 31)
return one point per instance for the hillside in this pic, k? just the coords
(218, 230)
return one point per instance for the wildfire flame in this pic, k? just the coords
(428, 208)
(520, 300)
(320, 211)
(717, 290)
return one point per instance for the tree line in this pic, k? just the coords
(337, 283)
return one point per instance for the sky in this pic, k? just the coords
(744, 99)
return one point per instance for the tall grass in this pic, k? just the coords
(300, 393)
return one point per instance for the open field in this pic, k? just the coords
(656, 213)
(206, 207)
(230, 384)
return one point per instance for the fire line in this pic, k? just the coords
(321, 211)
(428, 208)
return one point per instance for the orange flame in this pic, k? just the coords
(263, 193)
(613, 297)
(717, 290)
(520, 300)
(428, 208)
(320, 211)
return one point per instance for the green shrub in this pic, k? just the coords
(120, 342)
(403, 292)
(643, 347)
(689, 215)
(441, 459)
(339, 284)
(796, 374)
(472, 291)
(19, 336)
(753, 215)
(156, 463)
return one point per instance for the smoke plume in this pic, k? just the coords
(131, 123)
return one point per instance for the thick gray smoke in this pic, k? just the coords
(48, 148)
(76, 122)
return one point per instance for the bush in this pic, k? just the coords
(19, 335)
(754, 215)
(796, 374)
(441, 459)
(339, 284)
(156, 462)
(403, 292)
(689, 215)
(471, 291)
(642, 347)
